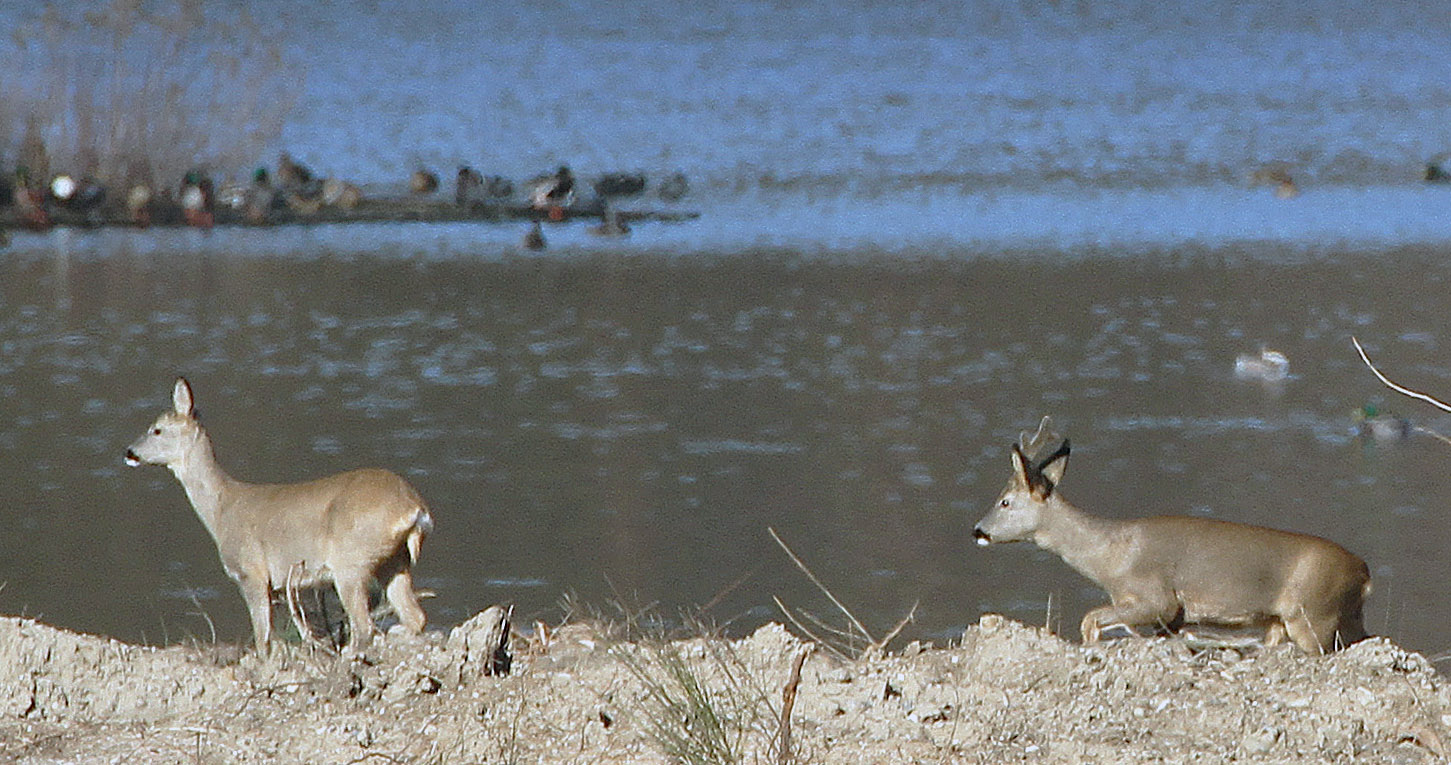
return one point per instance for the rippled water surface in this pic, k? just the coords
(627, 427)
(921, 231)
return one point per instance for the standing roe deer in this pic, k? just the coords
(346, 528)
(1169, 570)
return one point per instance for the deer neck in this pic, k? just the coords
(205, 482)
(1081, 540)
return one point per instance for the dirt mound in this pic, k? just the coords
(1004, 692)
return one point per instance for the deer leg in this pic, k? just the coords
(1303, 633)
(257, 592)
(1275, 634)
(1129, 613)
(353, 592)
(405, 601)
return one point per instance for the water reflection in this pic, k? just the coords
(627, 427)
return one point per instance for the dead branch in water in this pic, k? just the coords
(1432, 400)
(1443, 406)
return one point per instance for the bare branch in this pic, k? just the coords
(802, 627)
(911, 615)
(821, 586)
(1397, 388)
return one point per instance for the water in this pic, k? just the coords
(922, 230)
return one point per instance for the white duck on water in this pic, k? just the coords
(1268, 366)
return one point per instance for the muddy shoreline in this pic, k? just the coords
(1004, 692)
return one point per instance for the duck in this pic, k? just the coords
(197, 199)
(467, 185)
(1277, 176)
(138, 204)
(1268, 366)
(620, 185)
(611, 225)
(259, 197)
(673, 187)
(534, 237)
(422, 182)
(29, 201)
(341, 194)
(553, 193)
(1436, 171)
(292, 175)
(1374, 424)
(83, 196)
(498, 187)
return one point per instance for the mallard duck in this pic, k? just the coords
(611, 225)
(1380, 426)
(468, 183)
(620, 185)
(534, 237)
(553, 192)
(1267, 366)
(197, 199)
(422, 182)
(1277, 176)
(29, 201)
(138, 204)
(673, 187)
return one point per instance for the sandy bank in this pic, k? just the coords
(1005, 693)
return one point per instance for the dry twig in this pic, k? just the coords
(788, 702)
(856, 623)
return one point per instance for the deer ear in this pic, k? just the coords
(1020, 466)
(1053, 467)
(181, 397)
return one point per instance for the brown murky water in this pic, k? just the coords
(626, 427)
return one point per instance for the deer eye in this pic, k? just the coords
(1005, 502)
(156, 431)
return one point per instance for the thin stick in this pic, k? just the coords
(719, 596)
(849, 637)
(821, 586)
(808, 632)
(1397, 388)
(912, 614)
(788, 702)
(1431, 433)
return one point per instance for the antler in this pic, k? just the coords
(1032, 445)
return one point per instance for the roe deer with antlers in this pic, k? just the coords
(1170, 570)
(347, 528)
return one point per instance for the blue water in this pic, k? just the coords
(849, 124)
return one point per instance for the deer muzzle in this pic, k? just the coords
(982, 538)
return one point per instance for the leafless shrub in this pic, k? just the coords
(141, 90)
